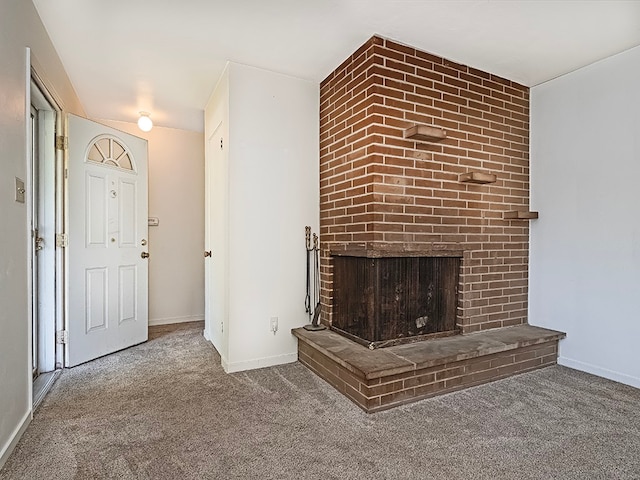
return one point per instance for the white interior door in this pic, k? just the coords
(216, 289)
(108, 267)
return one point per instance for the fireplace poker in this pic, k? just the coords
(315, 323)
(307, 298)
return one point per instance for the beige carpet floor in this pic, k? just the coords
(166, 410)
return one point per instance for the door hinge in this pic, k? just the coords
(61, 143)
(62, 337)
(62, 240)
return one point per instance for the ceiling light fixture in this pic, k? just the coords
(144, 122)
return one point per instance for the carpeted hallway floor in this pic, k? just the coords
(166, 410)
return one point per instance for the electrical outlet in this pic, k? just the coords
(274, 324)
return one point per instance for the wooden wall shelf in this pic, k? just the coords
(518, 215)
(425, 133)
(477, 177)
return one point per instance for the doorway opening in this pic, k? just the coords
(46, 262)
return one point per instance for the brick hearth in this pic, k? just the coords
(384, 378)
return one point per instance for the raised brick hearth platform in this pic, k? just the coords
(384, 378)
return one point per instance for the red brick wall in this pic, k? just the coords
(380, 192)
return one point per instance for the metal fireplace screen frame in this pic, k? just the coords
(386, 301)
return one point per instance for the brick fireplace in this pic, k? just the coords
(420, 158)
(381, 193)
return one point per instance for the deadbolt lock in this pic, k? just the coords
(144, 255)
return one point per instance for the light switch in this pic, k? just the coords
(154, 221)
(20, 190)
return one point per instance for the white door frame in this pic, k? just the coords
(45, 167)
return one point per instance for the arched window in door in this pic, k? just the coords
(109, 151)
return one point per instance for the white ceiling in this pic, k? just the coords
(165, 57)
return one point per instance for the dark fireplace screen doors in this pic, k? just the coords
(386, 301)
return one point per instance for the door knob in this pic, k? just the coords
(207, 253)
(144, 255)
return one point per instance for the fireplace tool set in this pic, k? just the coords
(313, 250)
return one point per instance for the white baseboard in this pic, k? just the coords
(259, 362)
(225, 364)
(600, 372)
(170, 320)
(233, 367)
(13, 441)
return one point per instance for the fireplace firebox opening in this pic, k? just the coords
(386, 301)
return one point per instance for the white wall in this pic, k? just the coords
(20, 27)
(585, 247)
(273, 182)
(176, 245)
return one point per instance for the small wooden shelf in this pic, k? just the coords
(425, 133)
(518, 215)
(477, 177)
